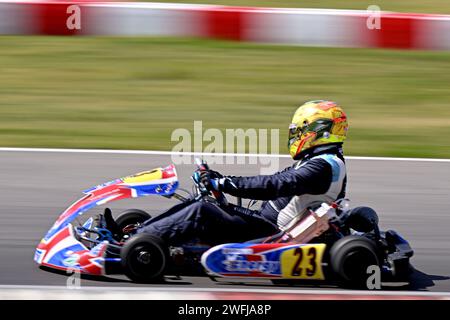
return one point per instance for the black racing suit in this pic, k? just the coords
(209, 223)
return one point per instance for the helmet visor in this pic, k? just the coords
(294, 132)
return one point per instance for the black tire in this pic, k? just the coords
(350, 257)
(131, 216)
(144, 258)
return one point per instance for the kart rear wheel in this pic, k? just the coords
(131, 216)
(144, 258)
(350, 258)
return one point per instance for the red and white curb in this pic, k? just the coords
(10, 292)
(306, 27)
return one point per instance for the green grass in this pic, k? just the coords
(132, 93)
(422, 6)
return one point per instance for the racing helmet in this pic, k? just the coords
(316, 123)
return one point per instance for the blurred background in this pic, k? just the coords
(107, 91)
(132, 92)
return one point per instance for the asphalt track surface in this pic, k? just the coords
(412, 197)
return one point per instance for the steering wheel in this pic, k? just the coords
(218, 195)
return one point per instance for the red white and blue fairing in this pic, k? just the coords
(60, 249)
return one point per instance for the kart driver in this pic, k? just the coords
(316, 135)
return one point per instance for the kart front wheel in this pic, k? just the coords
(350, 258)
(131, 216)
(144, 258)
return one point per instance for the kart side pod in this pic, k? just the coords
(266, 260)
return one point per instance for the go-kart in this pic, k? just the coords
(329, 242)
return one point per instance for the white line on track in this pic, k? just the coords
(169, 153)
(224, 290)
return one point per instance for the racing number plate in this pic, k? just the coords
(303, 262)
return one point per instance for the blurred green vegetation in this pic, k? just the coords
(131, 93)
(421, 6)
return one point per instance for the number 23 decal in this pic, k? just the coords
(303, 262)
(311, 256)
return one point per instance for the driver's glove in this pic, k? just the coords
(208, 178)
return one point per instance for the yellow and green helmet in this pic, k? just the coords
(316, 123)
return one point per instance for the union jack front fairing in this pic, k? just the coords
(60, 249)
